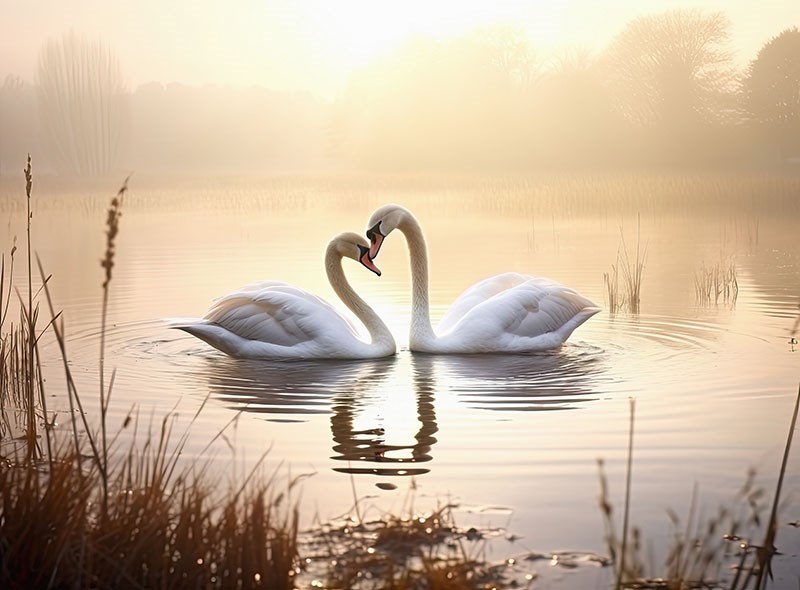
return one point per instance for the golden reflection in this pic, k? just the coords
(291, 388)
(555, 380)
(383, 413)
(374, 448)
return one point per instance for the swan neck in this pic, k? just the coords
(421, 330)
(378, 331)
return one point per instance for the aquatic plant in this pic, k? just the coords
(717, 282)
(628, 296)
(413, 550)
(704, 550)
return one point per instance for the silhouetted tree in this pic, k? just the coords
(217, 129)
(673, 73)
(82, 102)
(505, 53)
(772, 92)
(575, 123)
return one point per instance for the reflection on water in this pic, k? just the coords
(282, 389)
(383, 412)
(370, 446)
(553, 380)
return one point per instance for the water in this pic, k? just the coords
(513, 439)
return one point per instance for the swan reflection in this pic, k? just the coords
(553, 380)
(374, 450)
(383, 412)
(287, 390)
(379, 426)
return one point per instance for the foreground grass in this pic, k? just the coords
(725, 551)
(79, 511)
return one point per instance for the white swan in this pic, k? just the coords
(276, 320)
(507, 313)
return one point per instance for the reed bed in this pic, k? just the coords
(716, 283)
(624, 282)
(741, 196)
(77, 510)
(417, 550)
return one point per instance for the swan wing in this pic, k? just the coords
(535, 314)
(477, 294)
(278, 314)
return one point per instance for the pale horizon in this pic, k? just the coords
(314, 47)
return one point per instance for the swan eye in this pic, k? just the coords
(374, 232)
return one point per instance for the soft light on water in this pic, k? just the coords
(714, 383)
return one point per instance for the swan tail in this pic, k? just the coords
(575, 321)
(181, 323)
(208, 332)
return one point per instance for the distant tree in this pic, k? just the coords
(437, 104)
(672, 69)
(82, 101)
(574, 121)
(506, 54)
(772, 92)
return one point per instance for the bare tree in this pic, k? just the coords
(672, 69)
(772, 92)
(82, 102)
(575, 123)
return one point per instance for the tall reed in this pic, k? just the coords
(628, 296)
(120, 516)
(703, 550)
(712, 283)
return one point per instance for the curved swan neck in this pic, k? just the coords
(421, 330)
(379, 333)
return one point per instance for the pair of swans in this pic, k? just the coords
(507, 313)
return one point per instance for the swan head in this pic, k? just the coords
(352, 245)
(382, 222)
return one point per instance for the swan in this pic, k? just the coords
(275, 320)
(507, 313)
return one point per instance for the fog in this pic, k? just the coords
(92, 87)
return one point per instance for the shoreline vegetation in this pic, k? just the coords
(81, 509)
(554, 193)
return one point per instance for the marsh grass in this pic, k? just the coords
(713, 552)
(416, 550)
(716, 283)
(624, 282)
(82, 510)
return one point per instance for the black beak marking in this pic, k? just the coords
(375, 229)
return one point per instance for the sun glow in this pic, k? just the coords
(352, 33)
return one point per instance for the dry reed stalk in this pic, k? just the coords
(699, 551)
(141, 521)
(632, 274)
(716, 282)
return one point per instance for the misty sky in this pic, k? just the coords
(312, 45)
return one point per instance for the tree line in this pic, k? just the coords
(664, 92)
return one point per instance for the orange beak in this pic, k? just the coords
(375, 240)
(367, 261)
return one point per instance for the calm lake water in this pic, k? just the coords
(513, 439)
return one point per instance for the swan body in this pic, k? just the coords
(275, 320)
(506, 313)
